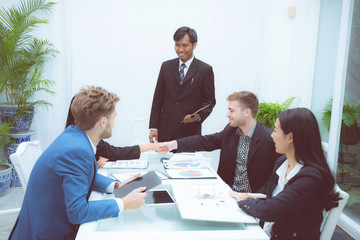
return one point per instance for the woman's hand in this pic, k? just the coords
(101, 162)
(240, 196)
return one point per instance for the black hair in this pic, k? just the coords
(303, 125)
(180, 33)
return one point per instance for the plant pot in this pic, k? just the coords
(10, 148)
(5, 177)
(21, 124)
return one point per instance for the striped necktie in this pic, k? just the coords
(182, 74)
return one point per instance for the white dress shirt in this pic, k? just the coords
(111, 186)
(188, 63)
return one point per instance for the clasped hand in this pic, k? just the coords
(167, 147)
(240, 196)
(191, 118)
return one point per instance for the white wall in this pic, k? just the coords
(120, 45)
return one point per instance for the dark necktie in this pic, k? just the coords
(182, 74)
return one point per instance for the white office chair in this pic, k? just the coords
(331, 217)
(9, 211)
(24, 159)
(141, 128)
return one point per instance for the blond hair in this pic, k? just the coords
(92, 103)
(246, 100)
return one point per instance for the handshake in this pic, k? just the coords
(160, 147)
(164, 147)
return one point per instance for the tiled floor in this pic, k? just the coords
(13, 199)
(10, 200)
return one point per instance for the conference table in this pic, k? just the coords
(162, 222)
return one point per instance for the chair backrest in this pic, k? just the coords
(24, 159)
(141, 129)
(331, 217)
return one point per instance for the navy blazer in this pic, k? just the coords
(172, 101)
(297, 210)
(56, 198)
(261, 156)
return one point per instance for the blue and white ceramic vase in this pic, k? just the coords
(5, 177)
(21, 124)
(10, 148)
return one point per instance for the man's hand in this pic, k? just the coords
(153, 134)
(135, 199)
(152, 146)
(191, 118)
(101, 162)
(168, 146)
(240, 196)
(160, 148)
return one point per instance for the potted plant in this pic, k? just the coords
(5, 168)
(350, 122)
(22, 61)
(269, 112)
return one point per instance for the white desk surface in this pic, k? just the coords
(163, 222)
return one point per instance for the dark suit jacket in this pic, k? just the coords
(261, 156)
(104, 149)
(56, 198)
(172, 101)
(297, 210)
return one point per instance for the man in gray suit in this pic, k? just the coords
(185, 84)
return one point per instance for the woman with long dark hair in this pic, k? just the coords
(301, 185)
(106, 152)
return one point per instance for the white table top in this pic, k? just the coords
(163, 222)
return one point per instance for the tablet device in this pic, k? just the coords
(159, 197)
(149, 180)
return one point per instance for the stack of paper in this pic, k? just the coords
(208, 203)
(187, 167)
(123, 176)
(127, 164)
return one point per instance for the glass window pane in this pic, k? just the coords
(326, 57)
(348, 170)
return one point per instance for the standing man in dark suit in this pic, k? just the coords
(185, 84)
(247, 154)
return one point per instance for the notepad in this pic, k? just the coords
(131, 164)
(123, 176)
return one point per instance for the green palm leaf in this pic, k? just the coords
(22, 55)
(269, 112)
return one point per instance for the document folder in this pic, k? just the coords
(149, 180)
